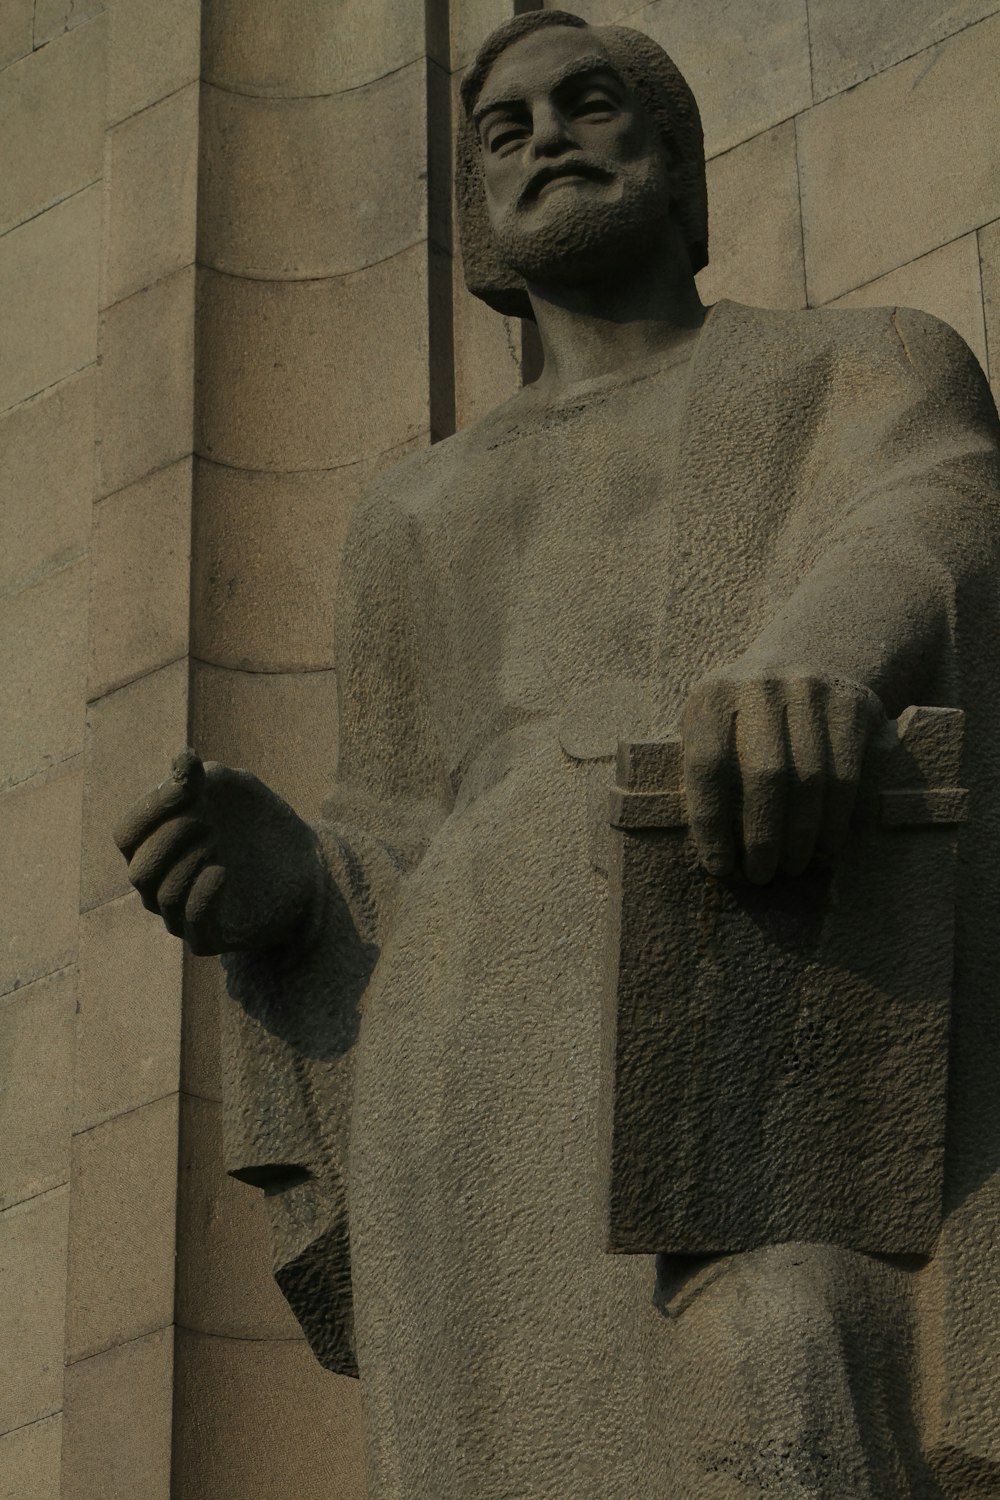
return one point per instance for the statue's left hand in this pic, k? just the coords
(772, 761)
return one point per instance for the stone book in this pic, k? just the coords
(776, 1057)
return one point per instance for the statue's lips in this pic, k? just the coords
(550, 178)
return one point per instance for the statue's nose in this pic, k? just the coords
(551, 133)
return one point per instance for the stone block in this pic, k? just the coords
(308, 47)
(40, 889)
(118, 1423)
(153, 50)
(487, 356)
(51, 123)
(225, 1283)
(128, 1029)
(201, 1061)
(32, 1308)
(48, 449)
(36, 1044)
(282, 726)
(122, 1230)
(946, 283)
(141, 572)
(902, 164)
(313, 374)
(853, 39)
(132, 736)
(276, 175)
(266, 551)
(15, 30)
(29, 1461)
(41, 713)
(755, 244)
(747, 73)
(145, 394)
(49, 273)
(989, 259)
(152, 182)
(473, 20)
(261, 1418)
(55, 17)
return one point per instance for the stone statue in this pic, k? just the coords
(769, 533)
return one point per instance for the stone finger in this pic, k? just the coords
(181, 789)
(157, 856)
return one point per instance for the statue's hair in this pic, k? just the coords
(660, 88)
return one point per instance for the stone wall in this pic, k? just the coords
(200, 367)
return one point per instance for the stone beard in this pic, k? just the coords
(568, 236)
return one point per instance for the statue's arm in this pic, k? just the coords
(774, 742)
(229, 866)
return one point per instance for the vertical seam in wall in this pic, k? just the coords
(440, 230)
(990, 373)
(802, 215)
(809, 50)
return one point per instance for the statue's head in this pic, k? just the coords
(577, 145)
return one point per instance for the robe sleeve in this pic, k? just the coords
(292, 1015)
(896, 534)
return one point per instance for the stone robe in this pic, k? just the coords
(415, 1079)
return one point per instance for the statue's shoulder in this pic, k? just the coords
(872, 334)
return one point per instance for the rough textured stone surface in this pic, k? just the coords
(55, 17)
(151, 180)
(266, 550)
(945, 283)
(41, 716)
(48, 448)
(117, 1423)
(141, 576)
(33, 1259)
(15, 30)
(852, 39)
(131, 735)
(49, 272)
(231, 717)
(153, 50)
(36, 1044)
(51, 123)
(989, 259)
(128, 1024)
(201, 1062)
(756, 236)
(29, 1461)
(882, 182)
(744, 1103)
(235, 1395)
(39, 891)
(297, 341)
(276, 175)
(226, 1284)
(308, 47)
(123, 1229)
(145, 395)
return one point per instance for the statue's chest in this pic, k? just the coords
(567, 537)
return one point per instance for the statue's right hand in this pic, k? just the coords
(221, 858)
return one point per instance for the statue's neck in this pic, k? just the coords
(606, 327)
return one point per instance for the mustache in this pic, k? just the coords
(567, 166)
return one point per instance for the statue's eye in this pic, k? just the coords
(595, 103)
(505, 134)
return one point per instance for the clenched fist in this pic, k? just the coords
(772, 761)
(221, 858)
